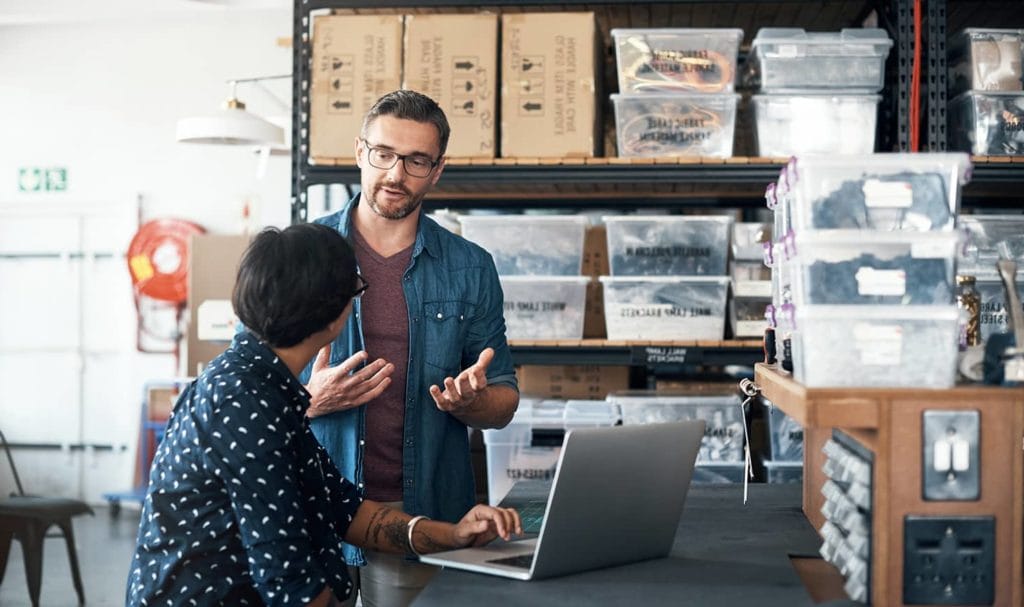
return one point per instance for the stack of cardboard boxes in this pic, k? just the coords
(548, 91)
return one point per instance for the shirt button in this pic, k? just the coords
(408, 482)
(360, 485)
(361, 442)
(408, 443)
(440, 316)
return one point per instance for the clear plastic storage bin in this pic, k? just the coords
(879, 268)
(876, 346)
(748, 240)
(984, 232)
(886, 192)
(665, 307)
(786, 437)
(676, 59)
(750, 272)
(695, 245)
(528, 447)
(747, 315)
(536, 245)
(986, 60)
(784, 473)
(544, 307)
(987, 123)
(722, 414)
(789, 125)
(788, 59)
(660, 125)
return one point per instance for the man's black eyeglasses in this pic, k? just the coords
(416, 165)
(363, 286)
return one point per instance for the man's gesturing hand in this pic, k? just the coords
(462, 391)
(338, 388)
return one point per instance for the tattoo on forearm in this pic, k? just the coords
(381, 531)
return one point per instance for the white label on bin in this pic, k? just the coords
(788, 50)
(888, 194)
(881, 282)
(752, 288)
(660, 311)
(878, 344)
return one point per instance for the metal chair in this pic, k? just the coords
(26, 518)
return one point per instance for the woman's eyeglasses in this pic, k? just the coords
(363, 286)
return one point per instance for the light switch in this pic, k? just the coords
(951, 468)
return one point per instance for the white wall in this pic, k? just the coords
(101, 98)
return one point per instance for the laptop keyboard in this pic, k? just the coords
(523, 561)
(530, 499)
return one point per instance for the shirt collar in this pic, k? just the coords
(247, 346)
(426, 229)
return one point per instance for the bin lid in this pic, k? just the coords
(800, 36)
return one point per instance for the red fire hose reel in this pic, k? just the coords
(158, 259)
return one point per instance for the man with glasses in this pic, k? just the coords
(424, 353)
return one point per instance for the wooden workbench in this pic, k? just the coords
(888, 422)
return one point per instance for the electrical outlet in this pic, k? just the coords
(949, 560)
(951, 468)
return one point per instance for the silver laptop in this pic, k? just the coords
(616, 498)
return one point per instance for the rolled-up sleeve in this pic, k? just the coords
(487, 330)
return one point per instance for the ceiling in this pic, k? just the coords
(20, 12)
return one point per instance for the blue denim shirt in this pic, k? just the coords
(455, 309)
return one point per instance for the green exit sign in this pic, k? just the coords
(42, 179)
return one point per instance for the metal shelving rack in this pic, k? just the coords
(626, 183)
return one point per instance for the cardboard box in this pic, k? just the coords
(459, 72)
(213, 266)
(572, 381)
(160, 402)
(357, 59)
(549, 91)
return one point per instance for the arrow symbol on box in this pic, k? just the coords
(336, 84)
(468, 105)
(527, 64)
(341, 105)
(529, 106)
(336, 64)
(463, 65)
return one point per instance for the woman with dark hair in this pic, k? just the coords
(244, 507)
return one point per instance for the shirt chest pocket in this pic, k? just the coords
(445, 324)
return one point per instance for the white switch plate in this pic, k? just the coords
(951, 462)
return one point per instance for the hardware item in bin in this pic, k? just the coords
(986, 60)
(665, 307)
(659, 125)
(993, 317)
(791, 59)
(695, 245)
(784, 473)
(878, 268)
(535, 245)
(984, 232)
(723, 416)
(676, 59)
(787, 437)
(885, 192)
(876, 346)
(748, 240)
(988, 123)
(802, 124)
(747, 315)
(544, 307)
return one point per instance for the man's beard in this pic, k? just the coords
(401, 212)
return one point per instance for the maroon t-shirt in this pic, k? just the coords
(385, 320)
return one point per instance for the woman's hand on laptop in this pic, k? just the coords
(484, 523)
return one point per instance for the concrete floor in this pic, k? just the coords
(105, 547)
